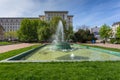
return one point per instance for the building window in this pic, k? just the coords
(1, 20)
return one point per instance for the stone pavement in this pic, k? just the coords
(107, 45)
(7, 48)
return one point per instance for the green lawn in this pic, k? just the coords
(5, 43)
(60, 71)
(15, 52)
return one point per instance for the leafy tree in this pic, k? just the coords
(11, 35)
(27, 31)
(34, 26)
(105, 31)
(44, 31)
(83, 35)
(118, 33)
(69, 33)
(34, 30)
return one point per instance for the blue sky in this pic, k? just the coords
(86, 12)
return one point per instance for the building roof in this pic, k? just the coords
(56, 11)
(41, 15)
(116, 23)
(18, 17)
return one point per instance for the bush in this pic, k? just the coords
(83, 36)
(115, 41)
(112, 40)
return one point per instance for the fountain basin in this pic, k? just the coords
(81, 53)
(62, 46)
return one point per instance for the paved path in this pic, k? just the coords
(7, 48)
(107, 45)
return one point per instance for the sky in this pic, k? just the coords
(86, 12)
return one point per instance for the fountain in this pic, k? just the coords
(59, 43)
(61, 50)
(72, 56)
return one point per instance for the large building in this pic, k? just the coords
(13, 23)
(114, 28)
(95, 31)
(63, 14)
(1, 33)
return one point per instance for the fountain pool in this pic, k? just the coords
(78, 53)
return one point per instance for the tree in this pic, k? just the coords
(11, 35)
(34, 30)
(34, 26)
(105, 31)
(69, 33)
(44, 31)
(118, 33)
(83, 35)
(27, 31)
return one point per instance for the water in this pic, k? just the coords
(59, 42)
(59, 36)
(72, 56)
(81, 54)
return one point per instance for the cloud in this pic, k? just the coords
(88, 12)
(14, 7)
(36, 7)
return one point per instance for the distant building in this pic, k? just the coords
(1, 33)
(95, 31)
(63, 14)
(114, 28)
(13, 23)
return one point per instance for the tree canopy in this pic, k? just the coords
(83, 35)
(28, 30)
(118, 32)
(38, 30)
(105, 31)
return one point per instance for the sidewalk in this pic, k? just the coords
(107, 45)
(7, 48)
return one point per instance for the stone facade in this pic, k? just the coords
(114, 28)
(13, 23)
(95, 31)
(63, 14)
(1, 33)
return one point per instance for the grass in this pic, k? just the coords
(15, 52)
(109, 70)
(60, 71)
(5, 43)
(112, 49)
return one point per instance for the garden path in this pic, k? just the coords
(7, 48)
(107, 45)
